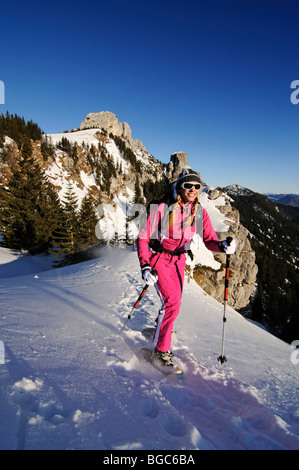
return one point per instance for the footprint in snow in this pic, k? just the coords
(24, 395)
(149, 408)
(173, 425)
(51, 413)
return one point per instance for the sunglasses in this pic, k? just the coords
(196, 186)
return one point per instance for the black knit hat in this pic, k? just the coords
(187, 174)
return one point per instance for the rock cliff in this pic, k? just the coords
(178, 160)
(110, 123)
(243, 270)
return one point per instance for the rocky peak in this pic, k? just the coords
(178, 161)
(110, 123)
(236, 190)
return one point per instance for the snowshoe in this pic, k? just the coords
(161, 361)
(148, 333)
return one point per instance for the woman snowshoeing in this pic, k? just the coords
(162, 245)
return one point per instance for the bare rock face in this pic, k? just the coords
(243, 269)
(110, 123)
(178, 161)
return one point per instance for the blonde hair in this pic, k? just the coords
(189, 221)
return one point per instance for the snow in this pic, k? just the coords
(14, 263)
(217, 219)
(87, 136)
(116, 155)
(70, 380)
(87, 180)
(60, 178)
(202, 256)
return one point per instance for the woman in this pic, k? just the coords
(162, 245)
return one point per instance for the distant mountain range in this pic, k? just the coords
(287, 199)
(274, 229)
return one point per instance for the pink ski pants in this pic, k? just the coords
(170, 283)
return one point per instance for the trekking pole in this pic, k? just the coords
(222, 358)
(154, 272)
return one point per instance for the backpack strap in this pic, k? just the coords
(155, 242)
(199, 220)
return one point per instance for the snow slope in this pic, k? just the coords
(70, 380)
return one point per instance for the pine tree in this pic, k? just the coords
(66, 235)
(16, 128)
(47, 148)
(87, 223)
(29, 206)
(137, 198)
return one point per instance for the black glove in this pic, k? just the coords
(228, 246)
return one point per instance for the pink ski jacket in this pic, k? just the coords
(176, 237)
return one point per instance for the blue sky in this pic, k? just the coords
(210, 78)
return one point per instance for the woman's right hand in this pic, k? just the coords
(149, 276)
